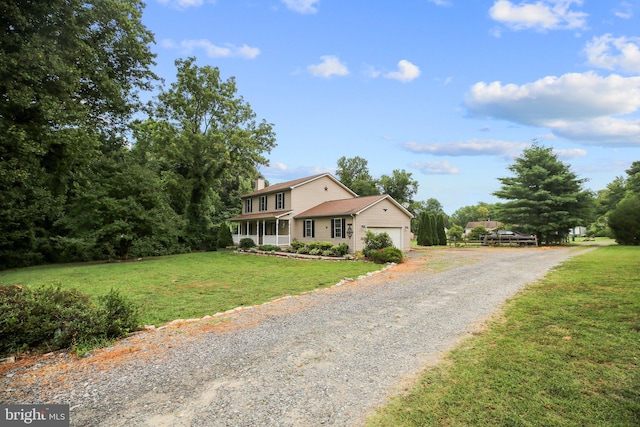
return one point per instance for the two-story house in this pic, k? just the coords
(319, 208)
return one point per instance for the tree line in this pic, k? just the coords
(88, 171)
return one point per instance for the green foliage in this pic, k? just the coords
(400, 185)
(455, 233)
(225, 238)
(440, 231)
(543, 195)
(388, 254)
(323, 246)
(633, 177)
(70, 72)
(374, 242)
(624, 221)
(246, 243)
(269, 248)
(120, 205)
(354, 173)
(480, 212)
(477, 231)
(52, 318)
(319, 248)
(425, 229)
(296, 244)
(200, 135)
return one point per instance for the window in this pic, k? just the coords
(263, 203)
(337, 228)
(309, 228)
(280, 201)
(248, 206)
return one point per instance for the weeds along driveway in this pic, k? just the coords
(325, 358)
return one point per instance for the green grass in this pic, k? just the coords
(193, 285)
(566, 352)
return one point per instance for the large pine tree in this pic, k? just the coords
(543, 196)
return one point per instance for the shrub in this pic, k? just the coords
(624, 221)
(269, 248)
(388, 254)
(52, 318)
(374, 242)
(315, 251)
(340, 250)
(323, 246)
(224, 236)
(246, 243)
(295, 245)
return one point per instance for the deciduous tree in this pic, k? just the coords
(400, 185)
(354, 173)
(70, 71)
(200, 130)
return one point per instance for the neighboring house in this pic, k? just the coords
(319, 208)
(578, 231)
(489, 225)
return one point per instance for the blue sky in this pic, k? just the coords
(449, 90)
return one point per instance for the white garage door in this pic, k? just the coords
(394, 232)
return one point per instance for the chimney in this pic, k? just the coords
(259, 184)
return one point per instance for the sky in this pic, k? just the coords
(451, 91)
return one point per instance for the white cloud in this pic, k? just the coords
(473, 147)
(609, 131)
(436, 168)
(302, 6)
(569, 153)
(329, 66)
(279, 172)
(445, 3)
(406, 72)
(212, 50)
(542, 15)
(612, 53)
(579, 106)
(624, 10)
(183, 4)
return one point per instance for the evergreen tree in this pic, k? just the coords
(543, 196)
(442, 236)
(434, 230)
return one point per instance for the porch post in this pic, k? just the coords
(277, 226)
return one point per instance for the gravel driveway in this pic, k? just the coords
(325, 358)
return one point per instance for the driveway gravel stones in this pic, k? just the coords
(325, 358)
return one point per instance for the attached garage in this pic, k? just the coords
(394, 232)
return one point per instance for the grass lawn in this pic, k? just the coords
(565, 352)
(196, 284)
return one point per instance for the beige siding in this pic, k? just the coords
(377, 217)
(312, 194)
(323, 232)
(271, 203)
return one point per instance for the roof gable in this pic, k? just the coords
(349, 206)
(290, 185)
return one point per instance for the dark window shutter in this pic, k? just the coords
(343, 227)
(333, 230)
(313, 228)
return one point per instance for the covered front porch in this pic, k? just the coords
(273, 230)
